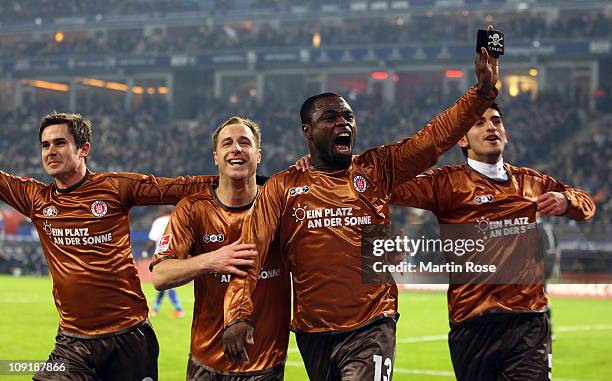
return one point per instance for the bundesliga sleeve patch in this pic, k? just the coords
(164, 243)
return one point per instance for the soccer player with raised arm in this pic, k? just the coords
(345, 328)
(498, 331)
(82, 220)
(202, 229)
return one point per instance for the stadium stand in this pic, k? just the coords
(244, 33)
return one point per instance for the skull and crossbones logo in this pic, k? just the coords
(496, 40)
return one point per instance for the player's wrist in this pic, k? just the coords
(236, 321)
(204, 264)
(486, 90)
(568, 203)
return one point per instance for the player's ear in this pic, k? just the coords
(85, 150)
(259, 156)
(215, 158)
(307, 130)
(463, 142)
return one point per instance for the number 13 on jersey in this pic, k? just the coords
(378, 368)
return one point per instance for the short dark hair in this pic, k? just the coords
(253, 126)
(494, 106)
(308, 106)
(79, 127)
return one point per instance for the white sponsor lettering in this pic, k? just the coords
(338, 212)
(329, 217)
(505, 227)
(98, 239)
(263, 275)
(79, 232)
(76, 236)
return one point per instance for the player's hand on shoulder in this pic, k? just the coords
(552, 203)
(303, 163)
(230, 259)
(234, 338)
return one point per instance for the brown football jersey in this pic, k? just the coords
(201, 224)
(320, 217)
(85, 236)
(459, 195)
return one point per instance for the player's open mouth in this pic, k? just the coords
(343, 142)
(492, 138)
(236, 162)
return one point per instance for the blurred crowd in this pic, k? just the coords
(12, 10)
(587, 161)
(22, 258)
(142, 40)
(16, 10)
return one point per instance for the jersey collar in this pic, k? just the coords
(73, 187)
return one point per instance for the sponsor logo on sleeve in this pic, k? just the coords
(360, 184)
(50, 211)
(213, 238)
(99, 208)
(164, 243)
(299, 190)
(483, 199)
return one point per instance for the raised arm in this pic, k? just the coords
(412, 156)
(19, 192)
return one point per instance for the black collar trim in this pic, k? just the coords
(213, 191)
(75, 186)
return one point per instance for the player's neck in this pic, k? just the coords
(486, 159)
(68, 180)
(325, 165)
(236, 193)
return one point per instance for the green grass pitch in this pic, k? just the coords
(582, 350)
